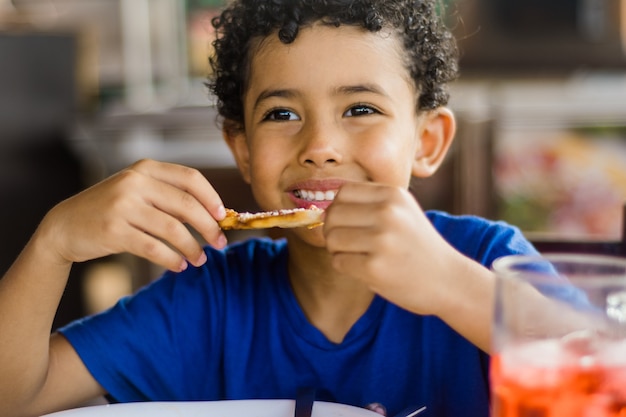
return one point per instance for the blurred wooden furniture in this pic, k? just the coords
(598, 247)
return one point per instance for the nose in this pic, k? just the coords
(321, 143)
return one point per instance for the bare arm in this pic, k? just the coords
(468, 307)
(40, 374)
(142, 210)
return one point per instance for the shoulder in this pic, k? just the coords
(467, 224)
(481, 239)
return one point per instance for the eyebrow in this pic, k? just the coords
(361, 88)
(266, 94)
(342, 90)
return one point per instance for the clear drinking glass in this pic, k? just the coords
(559, 337)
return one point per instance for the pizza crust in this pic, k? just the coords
(284, 218)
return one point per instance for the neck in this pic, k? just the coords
(330, 301)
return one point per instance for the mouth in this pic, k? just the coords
(315, 196)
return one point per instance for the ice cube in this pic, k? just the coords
(581, 343)
(616, 306)
(533, 363)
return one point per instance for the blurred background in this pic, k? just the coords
(89, 86)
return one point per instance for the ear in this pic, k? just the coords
(235, 137)
(435, 137)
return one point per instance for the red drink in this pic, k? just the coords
(547, 379)
(559, 336)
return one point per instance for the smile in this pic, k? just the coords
(315, 195)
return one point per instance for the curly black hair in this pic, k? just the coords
(430, 48)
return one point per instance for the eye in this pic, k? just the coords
(281, 115)
(360, 110)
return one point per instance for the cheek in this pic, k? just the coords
(265, 171)
(262, 160)
(389, 159)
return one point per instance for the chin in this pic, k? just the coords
(310, 237)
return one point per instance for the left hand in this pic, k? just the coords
(379, 234)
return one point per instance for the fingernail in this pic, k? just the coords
(222, 241)
(201, 260)
(183, 265)
(221, 212)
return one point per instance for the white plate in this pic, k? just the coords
(233, 408)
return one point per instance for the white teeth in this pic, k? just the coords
(316, 195)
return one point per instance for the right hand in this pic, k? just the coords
(141, 210)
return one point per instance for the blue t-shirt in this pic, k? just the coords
(232, 329)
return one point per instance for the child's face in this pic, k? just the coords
(336, 105)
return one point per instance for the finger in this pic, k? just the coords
(364, 192)
(361, 204)
(185, 206)
(373, 206)
(188, 179)
(170, 230)
(365, 240)
(351, 214)
(154, 250)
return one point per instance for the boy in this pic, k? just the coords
(335, 104)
